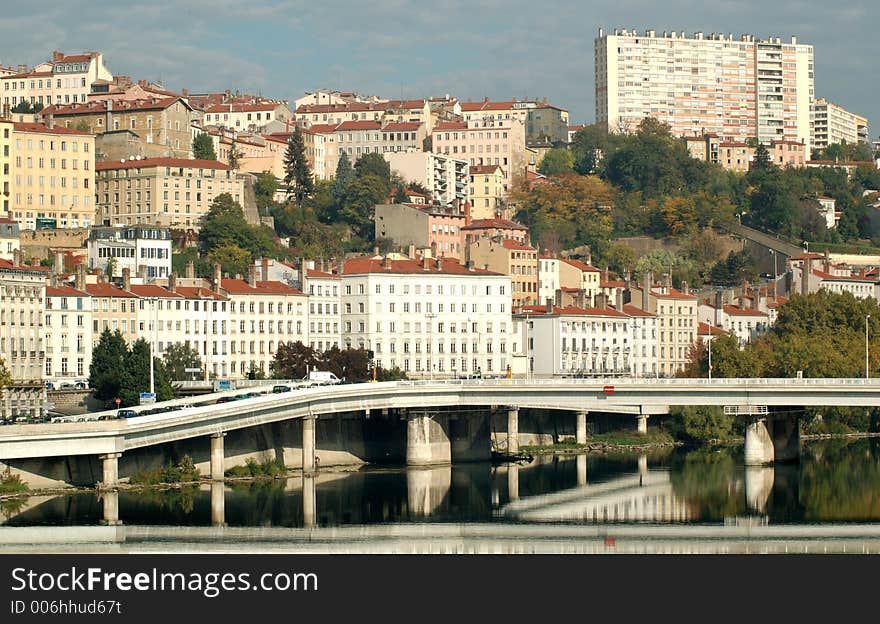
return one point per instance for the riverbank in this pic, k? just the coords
(616, 441)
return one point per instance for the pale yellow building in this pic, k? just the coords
(5, 163)
(509, 257)
(169, 192)
(52, 176)
(486, 191)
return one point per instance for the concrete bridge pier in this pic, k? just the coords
(427, 440)
(759, 443)
(513, 430)
(218, 504)
(110, 503)
(642, 424)
(309, 505)
(308, 444)
(218, 457)
(581, 429)
(513, 481)
(582, 469)
(110, 472)
(758, 484)
(426, 488)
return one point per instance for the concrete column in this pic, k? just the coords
(218, 504)
(513, 481)
(759, 444)
(513, 430)
(110, 470)
(217, 457)
(759, 484)
(309, 506)
(308, 444)
(427, 441)
(786, 438)
(643, 466)
(582, 469)
(642, 424)
(426, 488)
(581, 435)
(110, 501)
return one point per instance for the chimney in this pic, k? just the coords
(719, 305)
(827, 262)
(601, 301)
(49, 121)
(190, 270)
(386, 262)
(265, 272)
(426, 262)
(579, 299)
(172, 282)
(439, 263)
(252, 276)
(57, 56)
(667, 282)
(53, 280)
(558, 298)
(81, 276)
(549, 305)
(16, 257)
(469, 265)
(411, 252)
(619, 301)
(109, 125)
(58, 269)
(647, 282)
(142, 272)
(216, 278)
(126, 278)
(684, 287)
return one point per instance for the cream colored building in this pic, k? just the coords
(246, 116)
(68, 333)
(52, 176)
(22, 310)
(10, 238)
(487, 141)
(169, 192)
(677, 323)
(66, 79)
(513, 258)
(830, 123)
(734, 88)
(6, 129)
(486, 191)
(114, 309)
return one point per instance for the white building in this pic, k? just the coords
(445, 177)
(10, 238)
(830, 123)
(734, 88)
(324, 309)
(744, 323)
(428, 316)
(143, 250)
(68, 333)
(644, 338)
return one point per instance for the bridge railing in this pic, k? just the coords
(643, 381)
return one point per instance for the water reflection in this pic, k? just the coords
(835, 481)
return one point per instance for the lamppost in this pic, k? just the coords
(709, 342)
(867, 316)
(526, 348)
(152, 342)
(430, 316)
(773, 252)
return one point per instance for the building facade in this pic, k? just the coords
(513, 258)
(443, 176)
(68, 333)
(486, 141)
(66, 79)
(830, 123)
(423, 226)
(144, 251)
(734, 88)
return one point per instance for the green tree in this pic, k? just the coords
(264, 190)
(203, 147)
(361, 197)
(587, 147)
(297, 176)
(703, 423)
(344, 175)
(5, 377)
(234, 156)
(292, 359)
(556, 161)
(108, 374)
(178, 357)
(373, 164)
(232, 259)
(137, 367)
(351, 364)
(224, 225)
(400, 196)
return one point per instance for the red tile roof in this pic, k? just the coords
(478, 169)
(450, 125)
(673, 294)
(515, 245)
(449, 266)
(401, 126)
(105, 289)
(704, 329)
(483, 224)
(634, 311)
(843, 278)
(197, 292)
(73, 58)
(151, 290)
(580, 265)
(805, 256)
(64, 291)
(470, 107)
(737, 311)
(187, 163)
(241, 108)
(570, 311)
(612, 284)
(320, 274)
(100, 106)
(44, 129)
(241, 287)
(359, 125)
(6, 264)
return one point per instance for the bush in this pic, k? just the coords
(268, 468)
(10, 483)
(183, 472)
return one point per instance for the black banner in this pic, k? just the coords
(410, 588)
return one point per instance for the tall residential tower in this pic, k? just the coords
(705, 84)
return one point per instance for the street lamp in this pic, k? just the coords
(867, 316)
(152, 343)
(773, 252)
(709, 342)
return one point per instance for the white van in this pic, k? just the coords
(323, 378)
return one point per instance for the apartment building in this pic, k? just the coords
(544, 123)
(10, 238)
(22, 312)
(444, 177)
(734, 88)
(484, 141)
(325, 320)
(831, 123)
(113, 309)
(253, 116)
(486, 191)
(677, 321)
(52, 176)
(65, 79)
(6, 129)
(424, 226)
(67, 333)
(144, 251)
(164, 192)
(427, 316)
(513, 258)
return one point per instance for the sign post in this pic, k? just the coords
(193, 371)
(147, 398)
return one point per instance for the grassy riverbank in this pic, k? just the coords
(604, 442)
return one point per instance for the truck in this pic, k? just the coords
(322, 378)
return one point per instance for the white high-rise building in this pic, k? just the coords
(699, 84)
(830, 123)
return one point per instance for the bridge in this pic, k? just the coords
(433, 433)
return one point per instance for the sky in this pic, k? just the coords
(412, 49)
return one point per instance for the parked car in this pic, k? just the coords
(126, 413)
(277, 389)
(323, 378)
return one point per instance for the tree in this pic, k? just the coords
(5, 377)
(224, 224)
(361, 197)
(234, 156)
(351, 364)
(264, 190)
(292, 359)
(203, 147)
(344, 175)
(297, 176)
(400, 196)
(178, 357)
(108, 374)
(373, 164)
(232, 259)
(27, 107)
(137, 366)
(556, 161)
